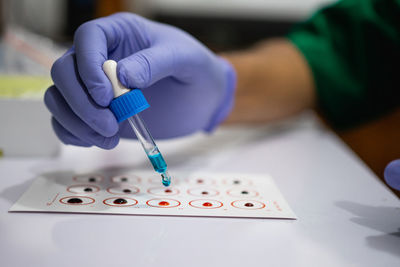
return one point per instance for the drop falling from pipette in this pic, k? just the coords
(166, 178)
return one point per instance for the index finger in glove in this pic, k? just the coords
(91, 44)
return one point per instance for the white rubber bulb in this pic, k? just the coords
(110, 69)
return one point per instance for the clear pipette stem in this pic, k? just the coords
(150, 147)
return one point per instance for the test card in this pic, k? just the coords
(141, 193)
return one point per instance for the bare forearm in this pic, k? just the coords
(274, 81)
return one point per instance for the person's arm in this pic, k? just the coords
(273, 82)
(343, 60)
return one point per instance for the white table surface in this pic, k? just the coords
(347, 217)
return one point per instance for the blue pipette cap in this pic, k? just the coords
(128, 104)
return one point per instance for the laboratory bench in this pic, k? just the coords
(346, 215)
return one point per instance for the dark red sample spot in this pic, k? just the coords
(74, 200)
(207, 204)
(127, 191)
(163, 203)
(92, 179)
(249, 204)
(88, 189)
(245, 192)
(204, 193)
(200, 181)
(168, 191)
(124, 179)
(120, 201)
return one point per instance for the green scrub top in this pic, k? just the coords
(353, 50)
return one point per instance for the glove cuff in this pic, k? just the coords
(226, 105)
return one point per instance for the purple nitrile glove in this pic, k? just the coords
(392, 174)
(187, 86)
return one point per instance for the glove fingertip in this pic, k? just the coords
(110, 125)
(110, 142)
(47, 96)
(122, 74)
(392, 174)
(133, 74)
(102, 95)
(66, 137)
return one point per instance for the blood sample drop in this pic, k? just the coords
(120, 201)
(207, 204)
(236, 182)
(248, 204)
(245, 192)
(124, 179)
(92, 179)
(163, 203)
(168, 191)
(204, 193)
(88, 189)
(74, 200)
(127, 191)
(200, 181)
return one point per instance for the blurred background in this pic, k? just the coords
(35, 33)
(223, 24)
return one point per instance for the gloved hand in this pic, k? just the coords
(187, 86)
(392, 174)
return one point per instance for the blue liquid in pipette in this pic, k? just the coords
(158, 162)
(160, 166)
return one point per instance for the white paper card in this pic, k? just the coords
(141, 193)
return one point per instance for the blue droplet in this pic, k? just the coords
(166, 182)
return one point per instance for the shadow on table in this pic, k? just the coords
(13, 193)
(380, 218)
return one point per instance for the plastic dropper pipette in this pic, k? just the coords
(126, 105)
